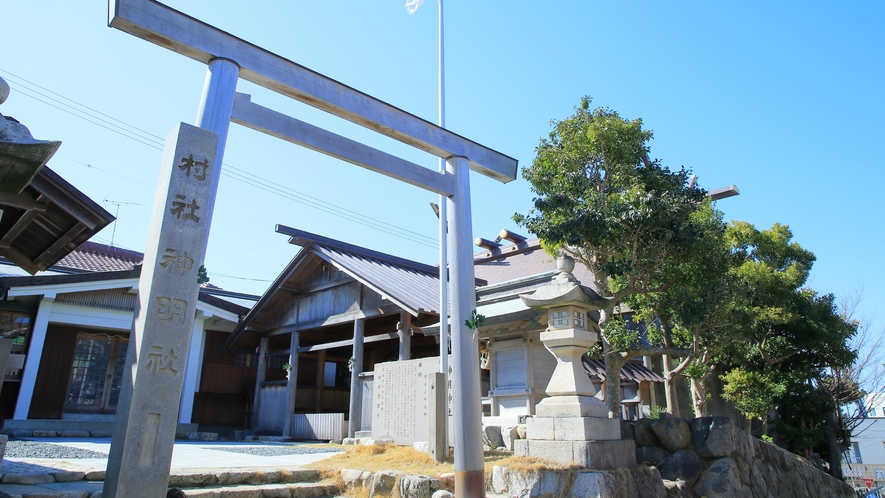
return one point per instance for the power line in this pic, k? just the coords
(156, 142)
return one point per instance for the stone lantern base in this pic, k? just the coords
(576, 429)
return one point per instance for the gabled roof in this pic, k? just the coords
(89, 257)
(410, 285)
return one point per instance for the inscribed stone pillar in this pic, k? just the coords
(144, 432)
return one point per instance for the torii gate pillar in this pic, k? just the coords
(469, 470)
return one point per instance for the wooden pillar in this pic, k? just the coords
(404, 331)
(291, 385)
(192, 369)
(321, 374)
(260, 377)
(356, 368)
(32, 360)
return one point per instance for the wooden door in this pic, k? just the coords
(96, 373)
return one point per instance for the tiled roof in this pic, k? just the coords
(525, 259)
(632, 371)
(411, 285)
(91, 257)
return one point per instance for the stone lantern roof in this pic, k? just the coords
(564, 290)
(21, 156)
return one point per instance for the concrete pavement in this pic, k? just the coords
(188, 457)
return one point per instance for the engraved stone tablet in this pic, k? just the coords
(400, 408)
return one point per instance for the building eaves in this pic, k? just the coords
(265, 298)
(631, 371)
(302, 238)
(74, 278)
(219, 302)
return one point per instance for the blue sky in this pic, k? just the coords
(783, 100)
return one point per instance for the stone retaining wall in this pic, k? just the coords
(680, 458)
(714, 458)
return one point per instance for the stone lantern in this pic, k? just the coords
(571, 425)
(21, 156)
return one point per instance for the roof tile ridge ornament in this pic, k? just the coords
(564, 289)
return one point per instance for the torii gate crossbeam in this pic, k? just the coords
(230, 58)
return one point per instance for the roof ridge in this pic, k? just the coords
(303, 238)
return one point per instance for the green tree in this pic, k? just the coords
(785, 340)
(693, 312)
(628, 219)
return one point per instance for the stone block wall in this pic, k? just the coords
(711, 457)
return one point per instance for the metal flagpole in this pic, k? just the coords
(443, 249)
(443, 241)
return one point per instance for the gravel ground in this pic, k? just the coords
(277, 450)
(37, 449)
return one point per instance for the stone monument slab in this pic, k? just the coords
(401, 408)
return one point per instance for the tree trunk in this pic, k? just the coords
(613, 365)
(670, 388)
(699, 397)
(835, 456)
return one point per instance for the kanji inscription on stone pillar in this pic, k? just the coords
(147, 415)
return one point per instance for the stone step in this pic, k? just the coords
(297, 483)
(291, 490)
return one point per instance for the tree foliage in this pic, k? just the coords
(786, 338)
(627, 218)
(720, 296)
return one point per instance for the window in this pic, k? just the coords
(276, 362)
(251, 360)
(559, 319)
(16, 326)
(872, 412)
(855, 450)
(247, 359)
(580, 321)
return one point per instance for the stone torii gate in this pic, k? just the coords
(141, 450)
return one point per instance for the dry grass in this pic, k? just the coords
(387, 457)
(405, 458)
